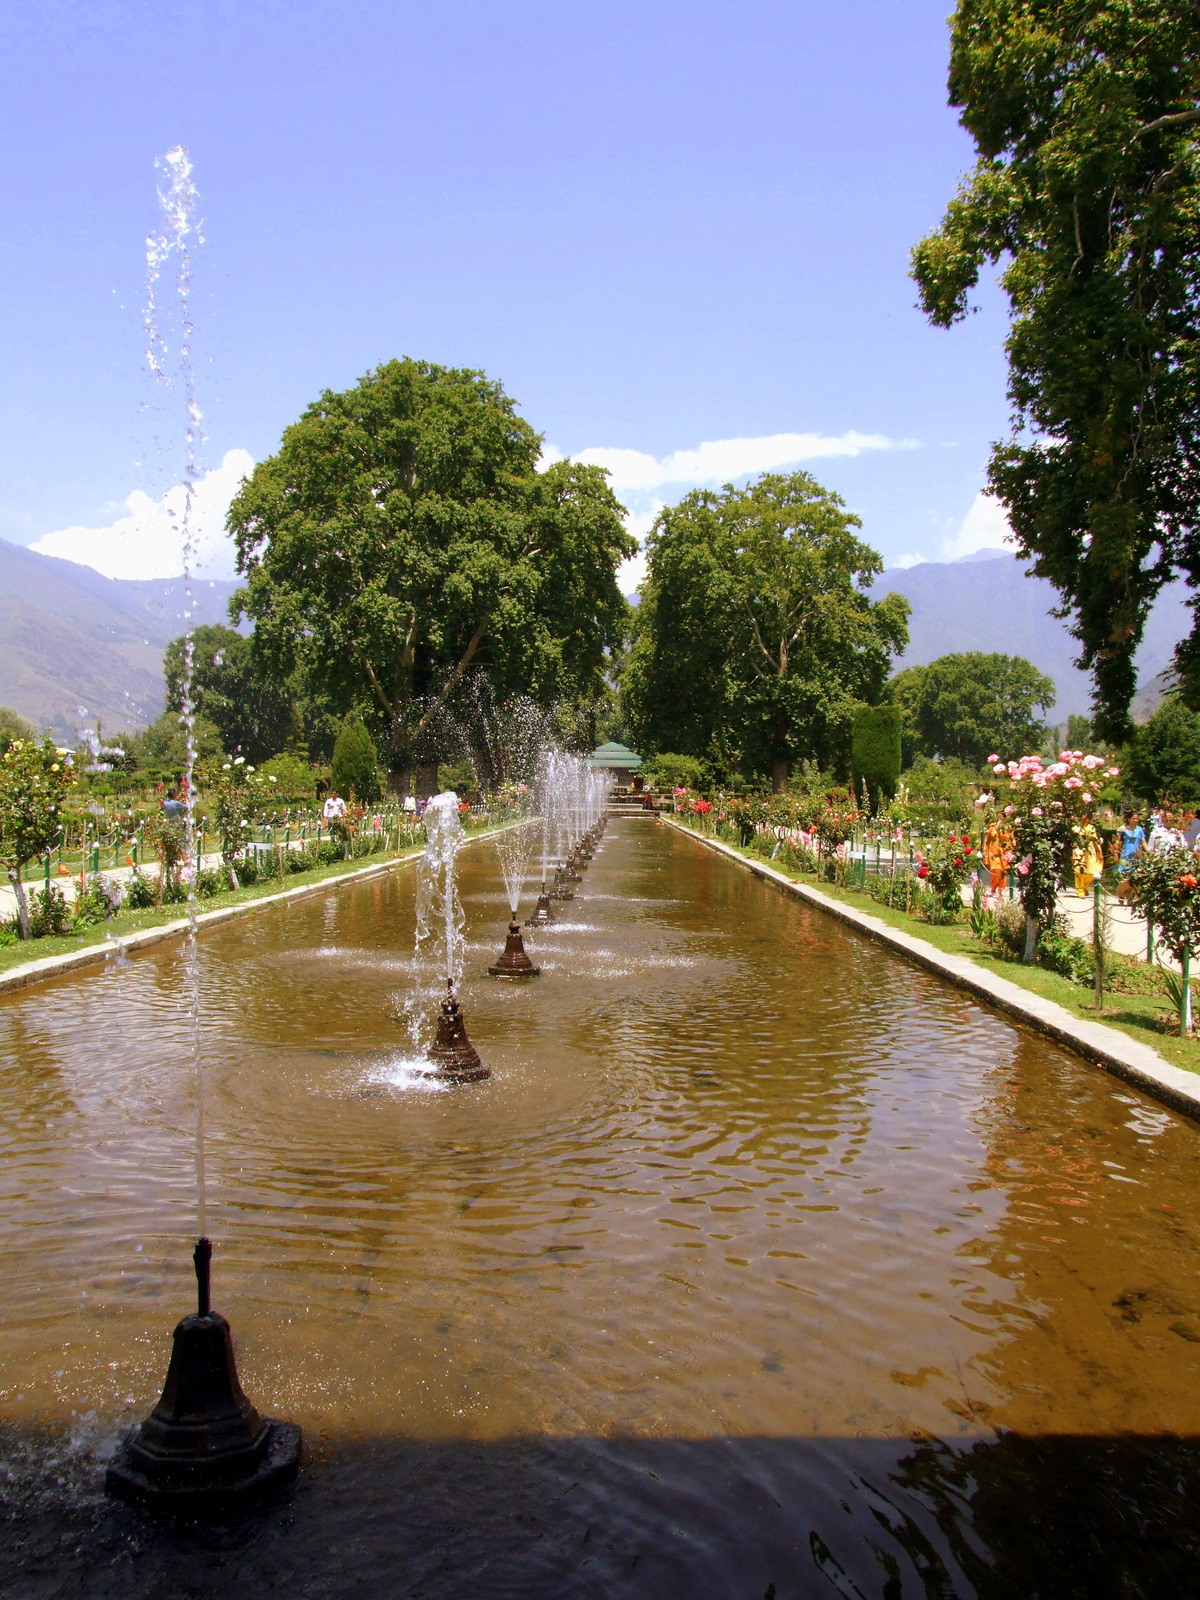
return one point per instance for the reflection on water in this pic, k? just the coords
(761, 1252)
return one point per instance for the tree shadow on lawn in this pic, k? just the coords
(1008, 1518)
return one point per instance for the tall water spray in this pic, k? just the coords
(204, 1450)
(440, 924)
(169, 319)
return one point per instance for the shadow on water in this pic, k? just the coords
(552, 1519)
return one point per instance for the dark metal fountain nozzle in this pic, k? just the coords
(203, 1452)
(455, 1058)
(543, 915)
(514, 963)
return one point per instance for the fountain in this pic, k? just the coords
(204, 1449)
(440, 918)
(514, 845)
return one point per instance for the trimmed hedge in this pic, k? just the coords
(875, 750)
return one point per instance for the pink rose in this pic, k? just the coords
(1073, 783)
(993, 758)
(1008, 811)
(999, 769)
(1038, 812)
(1086, 796)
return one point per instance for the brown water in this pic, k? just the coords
(763, 1258)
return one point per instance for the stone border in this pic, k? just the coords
(93, 954)
(1125, 1058)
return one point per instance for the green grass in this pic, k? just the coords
(1133, 1014)
(127, 922)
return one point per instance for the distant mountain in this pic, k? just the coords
(72, 639)
(977, 604)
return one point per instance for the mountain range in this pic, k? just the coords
(77, 648)
(990, 604)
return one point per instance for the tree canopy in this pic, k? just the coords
(1164, 761)
(403, 535)
(254, 716)
(1086, 121)
(977, 704)
(754, 639)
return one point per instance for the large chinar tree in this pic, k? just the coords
(1086, 117)
(755, 641)
(402, 538)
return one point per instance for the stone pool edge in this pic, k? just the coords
(1124, 1058)
(92, 954)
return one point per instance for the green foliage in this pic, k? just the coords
(1085, 119)
(668, 771)
(141, 892)
(34, 780)
(754, 639)
(1070, 957)
(905, 691)
(169, 838)
(100, 901)
(13, 726)
(875, 749)
(49, 913)
(936, 791)
(403, 535)
(253, 716)
(944, 866)
(356, 763)
(294, 779)
(459, 776)
(1164, 887)
(236, 809)
(977, 704)
(163, 745)
(1165, 757)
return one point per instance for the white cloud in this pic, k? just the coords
(913, 559)
(721, 460)
(148, 541)
(985, 527)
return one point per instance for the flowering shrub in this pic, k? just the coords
(1047, 803)
(236, 811)
(945, 866)
(1164, 886)
(34, 779)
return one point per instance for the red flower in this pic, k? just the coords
(1188, 880)
(958, 862)
(922, 872)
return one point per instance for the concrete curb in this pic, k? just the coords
(1125, 1058)
(94, 954)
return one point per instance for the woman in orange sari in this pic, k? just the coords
(997, 854)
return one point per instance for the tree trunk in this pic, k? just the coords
(779, 775)
(427, 781)
(14, 877)
(1031, 938)
(400, 782)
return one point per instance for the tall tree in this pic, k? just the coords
(979, 704)
(255, 716)
(403, 535)
(754, 638)
(1085, 114)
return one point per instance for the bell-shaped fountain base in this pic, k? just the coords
(543, 915)
(203, 1452)
(514, 963)
(455, 1058)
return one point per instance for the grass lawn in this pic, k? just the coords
(1134, 1014)
(127, 922)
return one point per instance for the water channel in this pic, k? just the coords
(765, 1264)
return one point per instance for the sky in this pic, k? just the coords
(678, 233)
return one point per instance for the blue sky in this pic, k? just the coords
(662, 226)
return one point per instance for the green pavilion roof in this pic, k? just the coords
(615, 757)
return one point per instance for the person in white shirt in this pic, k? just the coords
(334, 807)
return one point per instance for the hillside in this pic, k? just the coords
(72, 639)
(991, 605)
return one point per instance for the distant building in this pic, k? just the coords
(615, 758)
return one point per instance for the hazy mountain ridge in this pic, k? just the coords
(71, 638)
(991, 605)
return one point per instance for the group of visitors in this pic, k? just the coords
(1168, 831)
